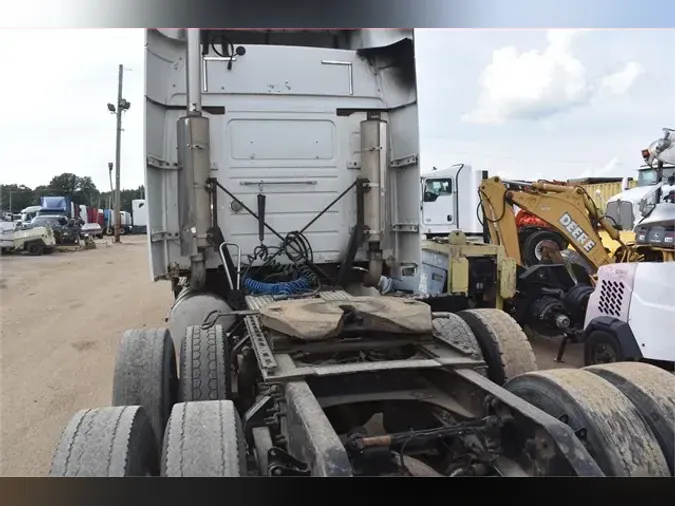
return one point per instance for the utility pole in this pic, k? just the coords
(118, 152)
(122, 105)
(112, 190)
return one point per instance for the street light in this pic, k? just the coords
(125, 105)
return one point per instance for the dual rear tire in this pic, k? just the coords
(623, 413)
(160, 423)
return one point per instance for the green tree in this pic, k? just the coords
(65, 184)
(81, 190)
(15, 197)
(87, 192)
(126, 196)
(41, 191)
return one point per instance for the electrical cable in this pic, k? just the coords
(401, 453)
(227, 41)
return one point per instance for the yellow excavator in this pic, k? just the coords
(570, 211)
(552, 297)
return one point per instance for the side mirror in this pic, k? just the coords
(624, 183)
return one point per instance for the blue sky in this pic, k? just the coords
(582, 103)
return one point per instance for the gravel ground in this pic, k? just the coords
(61, 317)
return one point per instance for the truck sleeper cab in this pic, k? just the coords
(287, 128)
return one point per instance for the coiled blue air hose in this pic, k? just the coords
(281, 288)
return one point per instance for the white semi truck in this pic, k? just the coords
(450, 201)
(282, 190)
(656, 184)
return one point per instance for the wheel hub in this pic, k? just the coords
(604, 354)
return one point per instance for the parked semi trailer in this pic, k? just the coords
(283, 195)
(139, 215)
(125, 220)
(602, 189)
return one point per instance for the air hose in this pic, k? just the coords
(298, 268)
(280, 288)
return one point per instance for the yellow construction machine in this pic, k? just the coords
(568, 209)
(551, 298)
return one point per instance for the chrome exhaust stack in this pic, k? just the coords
(194, 161)
(374, 151)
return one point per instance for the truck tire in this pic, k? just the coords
(606, 421)
(652, 391)
(531, 249)
(145, 375)
(107, 442)
(204, 439)
(35, 248)
(505, 347)
(453, 329)
(601, 347)
(203, 368)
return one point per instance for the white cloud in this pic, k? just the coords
(535, 85)
(620, 82)
(611, 168)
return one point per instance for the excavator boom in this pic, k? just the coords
(567, 209)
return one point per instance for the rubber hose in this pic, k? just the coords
(282, 288)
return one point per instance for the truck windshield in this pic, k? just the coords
(49, 220)
(649, 177)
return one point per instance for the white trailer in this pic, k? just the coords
(139, 214)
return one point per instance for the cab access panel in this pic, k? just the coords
(284, 121)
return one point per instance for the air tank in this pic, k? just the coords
(191, 308)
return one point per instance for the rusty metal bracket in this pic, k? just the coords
(281, 463)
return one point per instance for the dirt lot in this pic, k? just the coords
(61, 318)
